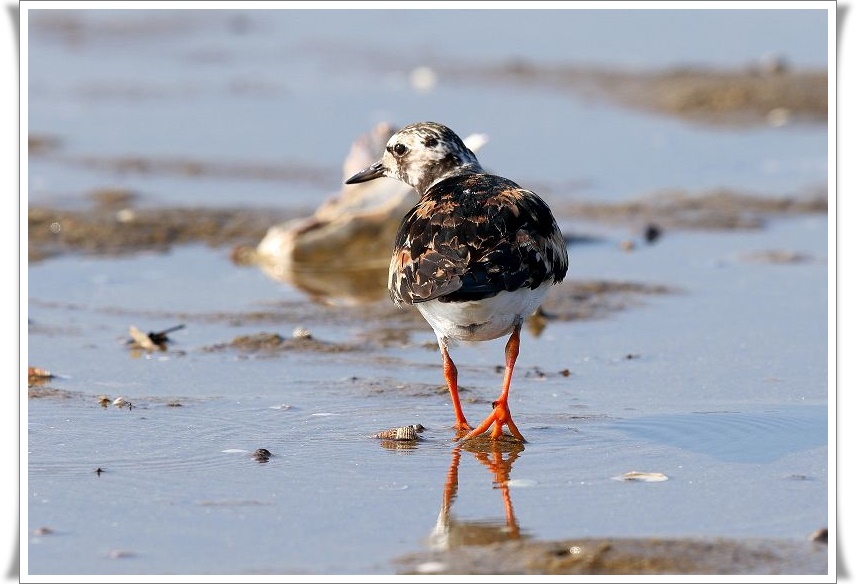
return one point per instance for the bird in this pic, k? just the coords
(476, 255)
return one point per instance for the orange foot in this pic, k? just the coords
(499, 417)
(461, 428)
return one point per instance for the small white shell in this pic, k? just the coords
(647, 477)
(301, 333)
(423, 79)
(403, 433)
(520, 483)
(431, 567)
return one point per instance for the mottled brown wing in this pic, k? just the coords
(472, 236)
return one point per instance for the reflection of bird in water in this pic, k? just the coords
(341, 253)
(476, 255)
(497, 456)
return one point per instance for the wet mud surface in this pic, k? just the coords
(769, 92)
(758, 94)
(110, 232)
(107, 230)
(624, 557)
(708, 211)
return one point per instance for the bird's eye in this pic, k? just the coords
(399, 149)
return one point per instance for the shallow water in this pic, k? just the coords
(722, 386)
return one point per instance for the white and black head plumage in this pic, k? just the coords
(422, 155)
(472, 234)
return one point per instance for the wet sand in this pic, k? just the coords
(626, 557)
(108, 228)
(769, 92)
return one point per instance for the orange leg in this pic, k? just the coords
(501, 415)
(450, 372)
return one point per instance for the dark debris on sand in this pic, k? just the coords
(104, 231)
(624, 556)
(272, 343)
(767, 93)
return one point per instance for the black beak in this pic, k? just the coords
(374, 171)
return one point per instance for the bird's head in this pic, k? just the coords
(421, 155)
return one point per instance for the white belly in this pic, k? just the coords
(482, 320)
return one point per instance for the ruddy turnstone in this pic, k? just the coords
(476, 255)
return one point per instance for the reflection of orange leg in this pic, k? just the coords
(450, 490)
(450, 372)
(501, 415)
(510, 519)
(501, 470)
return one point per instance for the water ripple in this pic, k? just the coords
(758, 436)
